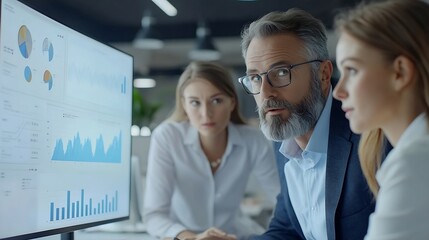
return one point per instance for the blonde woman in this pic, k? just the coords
(383, 57)
(200, 160)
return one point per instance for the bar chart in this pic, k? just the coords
(82, 206)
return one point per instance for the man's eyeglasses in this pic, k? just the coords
(277, 77)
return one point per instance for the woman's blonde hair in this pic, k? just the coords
(395, 28)
(216, 75)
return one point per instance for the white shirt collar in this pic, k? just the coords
(414, 129)
(234, 137)
(317, 142)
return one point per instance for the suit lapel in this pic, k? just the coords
(292, 213)
(339, 148)
(281, 161)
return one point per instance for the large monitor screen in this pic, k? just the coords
(65, 118)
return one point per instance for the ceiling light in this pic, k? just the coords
(144, 83)
(145, 131)
(135, 130)
(166, 6)
(145, 38)
(205, 49)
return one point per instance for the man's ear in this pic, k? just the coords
(325, 74)
(404, 73)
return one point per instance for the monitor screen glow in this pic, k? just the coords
(65, 118)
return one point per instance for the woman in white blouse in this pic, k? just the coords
(200, 160)
(383, 57)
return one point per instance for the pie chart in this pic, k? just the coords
(27, 74)
(48, 49)
(47, 78)
(25, 41)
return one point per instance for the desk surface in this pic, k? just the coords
(82, 235)
(85, 235)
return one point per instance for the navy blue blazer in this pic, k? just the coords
(349, 201)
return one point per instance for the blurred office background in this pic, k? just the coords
(186, 30)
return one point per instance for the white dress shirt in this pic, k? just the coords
(305, 174)
(181, 191)
(402, 210)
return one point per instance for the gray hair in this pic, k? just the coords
(294, 21)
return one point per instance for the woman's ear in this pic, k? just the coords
(404, 72)
(233, 102)
(183, 103)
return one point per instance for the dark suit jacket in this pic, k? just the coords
(349, 201)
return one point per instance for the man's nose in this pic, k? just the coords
(267, 91)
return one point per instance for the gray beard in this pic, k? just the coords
(303, 116)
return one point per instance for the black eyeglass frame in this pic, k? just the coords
(289, 68)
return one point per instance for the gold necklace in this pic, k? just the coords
(215, 163)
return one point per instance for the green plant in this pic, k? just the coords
(143, 111)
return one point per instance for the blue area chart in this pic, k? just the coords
(81, 151)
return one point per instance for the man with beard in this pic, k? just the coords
(323, 192)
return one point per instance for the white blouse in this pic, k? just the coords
(181, 191)
(402, 210)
